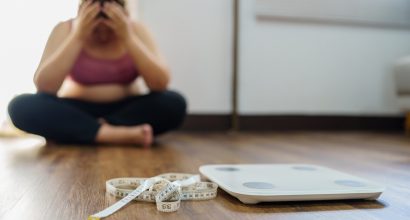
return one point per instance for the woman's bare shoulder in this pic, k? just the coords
(60, 31)
(63, 27)
(58, 34)
(139, 26)
(142, 30)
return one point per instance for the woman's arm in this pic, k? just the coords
(141, 46)
(148, 59)
(58, 58)
(63, 47)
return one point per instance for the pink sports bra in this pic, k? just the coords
(89, 70)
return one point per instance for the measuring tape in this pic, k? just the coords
(166, 190)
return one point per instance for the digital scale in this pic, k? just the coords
(255, 183)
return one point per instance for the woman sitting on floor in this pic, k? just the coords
(86, 82)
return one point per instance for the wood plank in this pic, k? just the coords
(68, 182)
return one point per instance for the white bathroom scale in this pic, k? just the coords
(254, 183)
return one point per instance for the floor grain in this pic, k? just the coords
(67, 182)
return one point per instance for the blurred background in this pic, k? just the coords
(293, 57)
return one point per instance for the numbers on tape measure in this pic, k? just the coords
(167, 190)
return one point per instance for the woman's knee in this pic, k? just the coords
(176, 101)
(22, 109)
(174, 106)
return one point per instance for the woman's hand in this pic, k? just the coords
(86, 20)
(118, 20)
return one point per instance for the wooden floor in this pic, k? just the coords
(62, 182)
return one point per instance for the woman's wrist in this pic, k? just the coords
(129, 41)
(76, 39)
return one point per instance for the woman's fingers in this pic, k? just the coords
(88, 8)
(118, 9)
(113, 11)
(92, 12)
(110, 24)
(107, 10)
(84, 5)
(94, 6)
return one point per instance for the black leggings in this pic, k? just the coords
(73, 121)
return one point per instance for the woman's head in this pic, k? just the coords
(102, 33)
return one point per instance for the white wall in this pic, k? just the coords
(196, 39)
(307, 68)
(25, 27)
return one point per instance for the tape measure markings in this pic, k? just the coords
(166, 190)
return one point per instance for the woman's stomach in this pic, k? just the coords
(96, 93)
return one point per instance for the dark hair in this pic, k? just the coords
(120, 2)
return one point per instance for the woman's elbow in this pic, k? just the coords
(160, 85)
(44, 87)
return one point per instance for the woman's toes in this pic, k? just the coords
(148, 135)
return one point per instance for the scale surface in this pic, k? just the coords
(254, 183)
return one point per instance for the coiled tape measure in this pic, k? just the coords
(166, 190)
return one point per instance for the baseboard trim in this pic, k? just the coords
(199, 122)
(207, 123)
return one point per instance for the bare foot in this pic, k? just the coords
(139, 135)
(143, 135)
